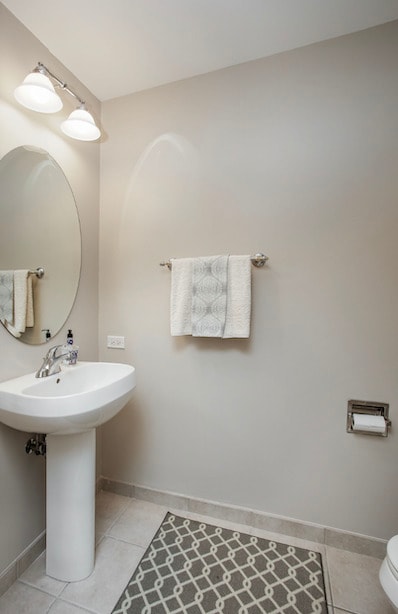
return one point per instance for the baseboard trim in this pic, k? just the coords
(22, 562)
(345, 540)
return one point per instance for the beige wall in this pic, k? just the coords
(294, 155)
(22, 497)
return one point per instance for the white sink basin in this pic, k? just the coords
(67, 407)
(79, 398)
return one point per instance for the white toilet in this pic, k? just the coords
(388, 574)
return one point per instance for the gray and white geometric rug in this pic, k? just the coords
(196, 568)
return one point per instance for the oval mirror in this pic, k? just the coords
(39, 229)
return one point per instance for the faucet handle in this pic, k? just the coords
(52, 352)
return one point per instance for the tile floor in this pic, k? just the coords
(125, 528)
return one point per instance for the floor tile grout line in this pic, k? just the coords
(66, 586)
(77, 605)
(35, 587)
(113, 522)
(39, 588)
(165, 511)
(119, 515)
(125, 541)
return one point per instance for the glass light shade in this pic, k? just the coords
(80, 125)
(38, 94)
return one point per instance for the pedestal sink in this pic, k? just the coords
(68, 406)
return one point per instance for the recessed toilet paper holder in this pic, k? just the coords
(369, 408)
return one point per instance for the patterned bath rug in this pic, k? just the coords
(196, 568)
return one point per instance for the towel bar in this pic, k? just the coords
(258, 260)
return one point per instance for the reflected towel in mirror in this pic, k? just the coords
(23, 316)
(6, 296)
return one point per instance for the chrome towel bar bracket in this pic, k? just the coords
(39, 272)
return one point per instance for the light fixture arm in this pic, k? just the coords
(45, 71)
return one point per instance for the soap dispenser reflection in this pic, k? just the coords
(48, 333)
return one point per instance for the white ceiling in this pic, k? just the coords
(116, 47)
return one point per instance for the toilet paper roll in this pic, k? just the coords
(369, 423)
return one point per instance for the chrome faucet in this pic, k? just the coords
(52, 362)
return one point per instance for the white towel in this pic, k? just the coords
(237, 323)
(238, 304)
(181, 297)
(23, 303)
(209, 296)
(6, 296)
(30, 315)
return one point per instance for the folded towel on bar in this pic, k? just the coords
(23, 303)
(237, 324)
(6, 296)
(211, 297)
(181, 297)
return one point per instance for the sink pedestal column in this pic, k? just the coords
(70, 506)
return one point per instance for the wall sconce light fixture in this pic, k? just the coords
(37, 93)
